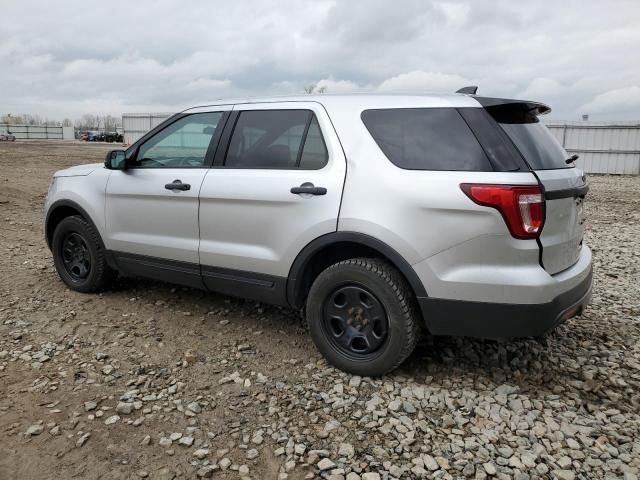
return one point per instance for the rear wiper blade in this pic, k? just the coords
(571, 159)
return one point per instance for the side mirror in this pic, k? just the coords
(115, 160)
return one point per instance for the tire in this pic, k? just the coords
(79, 257)
(343, 313)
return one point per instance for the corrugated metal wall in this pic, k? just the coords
(33, 132)
(603, 147)
(136, 125)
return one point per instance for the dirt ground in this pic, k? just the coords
(94, 386)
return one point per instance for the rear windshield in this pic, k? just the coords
(536, 144)
(426, 139)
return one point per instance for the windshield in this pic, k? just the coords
(536, 144)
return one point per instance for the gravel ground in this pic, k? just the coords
(150, 380)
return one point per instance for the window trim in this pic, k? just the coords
(219, 162)
(209, 154)
(473, 135)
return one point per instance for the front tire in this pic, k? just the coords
(79, 257)
(362, 316)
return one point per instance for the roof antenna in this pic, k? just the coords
(468, 90)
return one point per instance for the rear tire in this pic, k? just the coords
(362, 316)
(79, 257)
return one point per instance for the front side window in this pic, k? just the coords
(183, 144)
(426, 139)
(276, 139)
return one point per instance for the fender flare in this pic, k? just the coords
(71, 204)
(306, 254)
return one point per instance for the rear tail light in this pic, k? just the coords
(522, 207)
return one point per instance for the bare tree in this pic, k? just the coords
(313, 88)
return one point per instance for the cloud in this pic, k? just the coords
(64, 59)
(419, 81)
(543, 89)
(625, 99)
(338, 86)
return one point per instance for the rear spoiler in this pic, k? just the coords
(524, 106)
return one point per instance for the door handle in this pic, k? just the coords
(309, 188)
(177, 185)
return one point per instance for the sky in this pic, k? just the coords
(67, 58)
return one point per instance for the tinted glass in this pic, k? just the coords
(314, 153)
(534, 141)
(426, 139)
(267, 139)
(495, 142)
(183, 144)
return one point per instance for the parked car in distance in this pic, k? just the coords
(380, 217)
(112, 137)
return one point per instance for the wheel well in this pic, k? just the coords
(56, 216)
(327, 256)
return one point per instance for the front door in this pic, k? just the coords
(276, 188)
(152, 206)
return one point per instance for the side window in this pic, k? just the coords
(278, 139)
(426, 139)
(314, 153)
(183, 144)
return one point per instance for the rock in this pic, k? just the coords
(394, 405)
(430, 463)
(252, 454)
(146, 440)
(124, 408)
(206, 471)
(325, 464)
(164, 474)
(563, 474)
(108, 369)
(243, 470)
(506, 389)
(194, 407)
(408, 407)
(490, 468)
(186, 441)
(34, 430)
(82, 440)
(89, 406)
(111, 420)
(346, 450)
(370, 476)
(224, 463)
(201, 453)
(165, 442)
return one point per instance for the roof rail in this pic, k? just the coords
(468, 90)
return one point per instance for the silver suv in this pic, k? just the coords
(378, 216)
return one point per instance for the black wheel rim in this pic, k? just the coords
(75, 256)
(355, 321)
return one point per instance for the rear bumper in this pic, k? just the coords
(504, 320)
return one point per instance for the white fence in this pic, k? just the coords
(135, 125)
(38, 132)
(603, 147)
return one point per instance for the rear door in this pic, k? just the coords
(276, 187)
(564, 184)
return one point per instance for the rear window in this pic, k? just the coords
(532, 138)
(426, 139)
